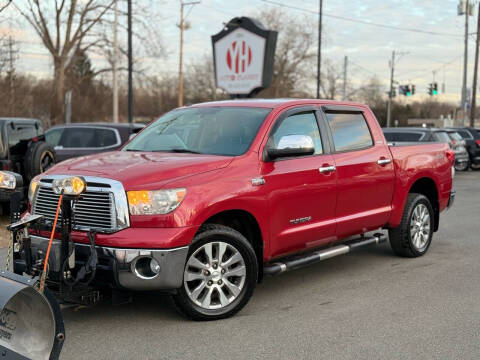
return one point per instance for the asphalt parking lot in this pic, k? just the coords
(365, 305)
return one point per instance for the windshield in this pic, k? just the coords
(441, 136)
(209, 130)
(455, 136)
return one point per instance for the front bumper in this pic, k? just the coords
(461, 158)
(116, 267)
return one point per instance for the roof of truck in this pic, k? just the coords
(273, 103)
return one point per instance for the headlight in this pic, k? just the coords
(74, 185)
(8, 180)
(155, 202)
(32, 188)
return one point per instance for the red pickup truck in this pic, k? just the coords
(210, 197)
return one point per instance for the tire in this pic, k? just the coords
(401, 239)
(39, 157)
(4, 208)
(474, 167)
(207, 292)
(462, 166)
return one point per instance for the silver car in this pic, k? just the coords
(458, 145)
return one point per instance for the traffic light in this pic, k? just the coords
(435, 89)
(406, 90)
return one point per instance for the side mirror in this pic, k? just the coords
(292, 145)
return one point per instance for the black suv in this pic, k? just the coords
(472, 140)
(23, 149)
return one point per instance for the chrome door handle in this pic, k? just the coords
(383, 161)
(327, 169)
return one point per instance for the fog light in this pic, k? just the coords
(154, 266)
(146, 268)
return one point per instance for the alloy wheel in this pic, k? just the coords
(420, 227)
(214, 275)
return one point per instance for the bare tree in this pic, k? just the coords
(64, 28)
(332, 80)
(201, 81)
(294, 57)
(372, 93)
(4, 4)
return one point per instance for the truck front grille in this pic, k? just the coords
(94, 209)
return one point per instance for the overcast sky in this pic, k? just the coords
(368, 47)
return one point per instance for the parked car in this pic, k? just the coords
(472, 139)
(210, 197)
(459, 146)
(23, 149)
(79, 139)
(453, 139)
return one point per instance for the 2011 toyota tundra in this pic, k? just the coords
(210, 197)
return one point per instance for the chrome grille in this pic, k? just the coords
(95, 209)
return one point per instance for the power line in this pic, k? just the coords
(422, 71)
(392, 27)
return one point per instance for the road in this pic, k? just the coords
(365, 305)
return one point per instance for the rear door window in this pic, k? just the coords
(106, 137)
(78, 137)
(349, 130)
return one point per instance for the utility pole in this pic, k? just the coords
(465, 11)
(115, 63)
(319, 49)
(475, 73)
(180, 62)
(390, 93)
(12, 56)
(345, 66)
(443, 83)
(395, 57)
(130, 62)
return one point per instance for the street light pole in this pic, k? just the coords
(475, 73)
(319, 49)
(465, 63)
(115, 63)
(180, 62)
(130, 63)
(390, 93)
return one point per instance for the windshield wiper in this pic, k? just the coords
(182, 151)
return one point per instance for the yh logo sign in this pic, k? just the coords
(239, 56)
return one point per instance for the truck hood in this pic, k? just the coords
(140, 170)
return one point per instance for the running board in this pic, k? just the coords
(298, 261)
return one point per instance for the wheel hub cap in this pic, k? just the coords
(420, 227)
(214, 275)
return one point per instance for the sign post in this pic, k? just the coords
(243, 54)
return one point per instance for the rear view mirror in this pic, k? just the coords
(292, 145)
